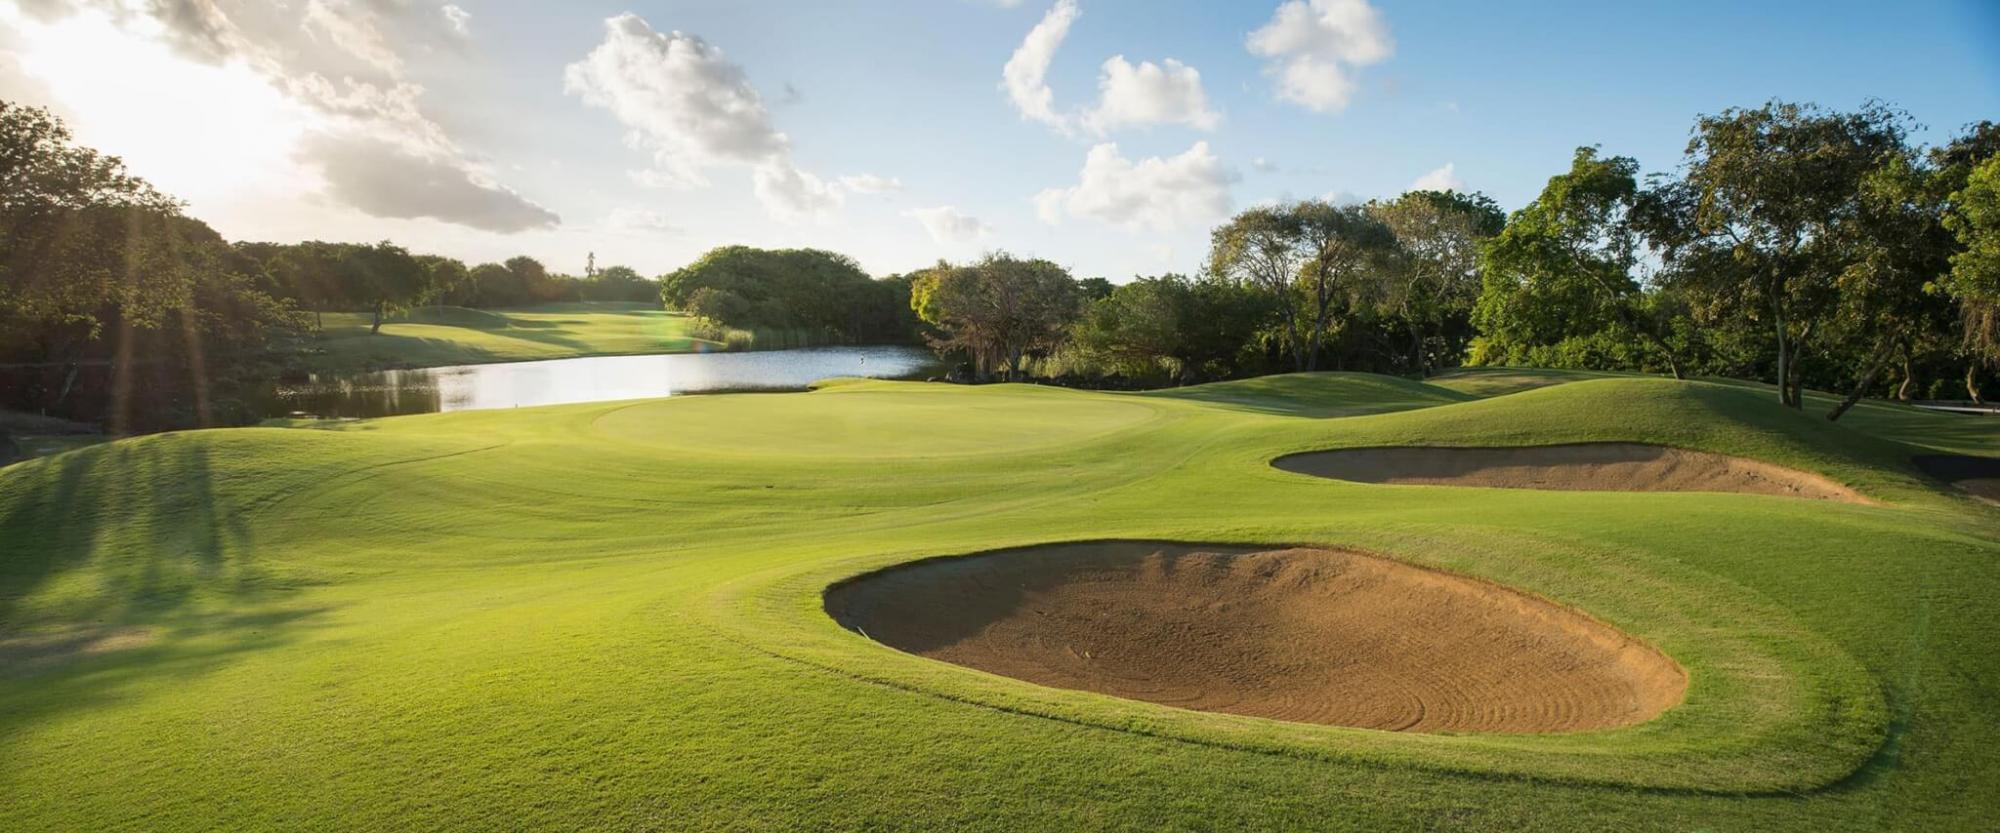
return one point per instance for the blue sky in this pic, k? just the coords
(488, 129)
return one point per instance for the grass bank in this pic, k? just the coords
(609, 616)
(437, 336)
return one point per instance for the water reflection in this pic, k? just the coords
(599, 379)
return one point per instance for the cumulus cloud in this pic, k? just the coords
(690, 107)
(387, 178)
(791, 194)
(1154, 193)
(946, 224)
(1442, 179)
(1149, 94)
(870, 184)
(1129, 95)
(342, 60)
(1314, 47)
(1025, 77)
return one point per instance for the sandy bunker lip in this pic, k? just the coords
(1306, 635)
(1608, 467)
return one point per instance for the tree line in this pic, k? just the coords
(1803, 247)
(1792, 244)
(118, 308)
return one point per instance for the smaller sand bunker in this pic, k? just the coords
(1306, 635)
(1601, 467)
(1979, 476)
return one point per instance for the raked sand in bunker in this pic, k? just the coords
(1305, 635)
(1598, 467)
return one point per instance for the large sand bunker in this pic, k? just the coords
(1978, 475)
(1306, 635)
(1609, 467)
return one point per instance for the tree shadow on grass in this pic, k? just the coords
(129, 563)
(146, 521)
(76, 670)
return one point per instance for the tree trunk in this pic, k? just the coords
(1798, 383)
(1909, 385)
(1417, 349)
(1297, 340)
(378, 319)
(69, 382)
(1784, 368)
(1972, 383)
(1875, 363)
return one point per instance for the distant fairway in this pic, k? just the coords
(437, 336)
(611, 616)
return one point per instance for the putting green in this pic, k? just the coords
(906, 421)
(610, 616)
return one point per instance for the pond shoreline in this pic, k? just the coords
(527, 383)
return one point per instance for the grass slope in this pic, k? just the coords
(607, 616)
(435, 336)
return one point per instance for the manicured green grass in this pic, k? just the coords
(436, 336)
(607, 616)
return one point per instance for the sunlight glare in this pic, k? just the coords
(204, 133)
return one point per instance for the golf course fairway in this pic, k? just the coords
(437, 336)
(615, 616)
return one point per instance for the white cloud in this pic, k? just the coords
(1314, 46)
(340, 62)
(1442, 179)
(458, 20)
(870, 184)
(386, 178)
(791, 194)
(946, 224)
(1129, 95)
(1156, 193)
(690, 107)
(1025, 77)
(1149, 94)
(1264, 166)
(630, 219)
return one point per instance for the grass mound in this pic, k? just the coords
(1317, 394)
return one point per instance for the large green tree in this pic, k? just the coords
(1346, 250)
(1436, 277)
(115, 306)
(822, 294)
(1974, 278)
(1572, 262)
(998, 310)
(1197, 328)
(1313, 260)
(1259, 249)
(1773, 188)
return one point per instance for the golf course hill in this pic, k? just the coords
(908, 605)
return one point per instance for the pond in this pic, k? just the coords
(593, 379)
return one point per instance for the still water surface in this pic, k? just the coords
(596, 379)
